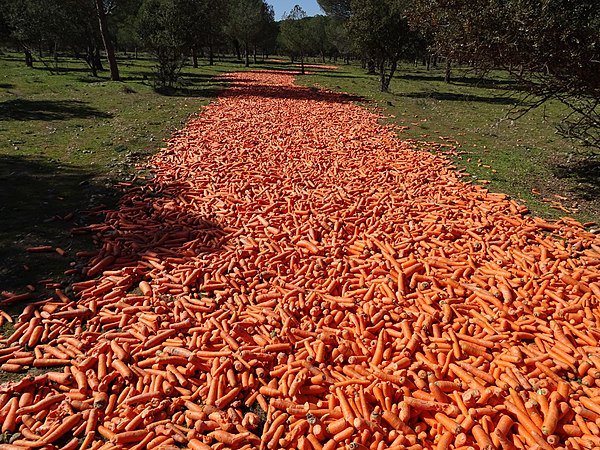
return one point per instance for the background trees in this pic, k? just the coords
(162, 29)
(552, 47)
(295, 34)
(380, 31)
(248, 22)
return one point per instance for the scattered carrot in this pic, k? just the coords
(292, 255)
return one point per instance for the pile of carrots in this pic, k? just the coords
(296, 277)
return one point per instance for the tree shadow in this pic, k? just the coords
(292, 92)
(43, 203)
(40, 200)
(329, 74)
(61, 70)
(151, 222)
(450, 96)
(585, 172)
(207, 92)
(6, 86)
(477, 82)
(21, 109)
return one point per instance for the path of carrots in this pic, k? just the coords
(292, 256)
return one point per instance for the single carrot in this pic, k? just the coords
(61, 429)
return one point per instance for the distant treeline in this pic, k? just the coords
(551, 46)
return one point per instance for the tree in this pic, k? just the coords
(320, 43)
(4, 28)
(266, 38)
(550, 46)
(160, 28)
(295, 34)
(337, 35)
(121, 21)
(247, 19)
(336, 8)
(30, 24)
(213, 24)
(107, 40)
(43, 25)
(381, 32)
(191, 14)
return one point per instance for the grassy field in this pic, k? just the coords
(66, 139)
(524, 158)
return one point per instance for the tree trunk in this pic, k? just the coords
(246, 55)
(238, 50)
(302, 63)
(55, 54)
(108, 45)
(90, 58)
(97, 58)
(448, 70)
(194, 58)
(393, 67)
(384, 83)
(371, 67)
(211, 51)
(28, 58)
(255, 55)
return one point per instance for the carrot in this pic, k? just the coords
(551, 418)
(63, 428)
(127, 437)
(195, 444)
(145, 288)
(482, 438)
(10, 419)
(122, 368)
(395, 422)
(228, 438)
(42, 404)
(346, 282)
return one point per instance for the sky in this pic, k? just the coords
(311, 7)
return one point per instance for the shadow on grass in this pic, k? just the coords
(473, 80)
(20, 109)
(52, 69)
(40, 201)
(211, 91)
(449, 96)
(292, 93)
(6, 86)
(330, 74)
(586, 174)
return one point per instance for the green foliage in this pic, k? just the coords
(213, 25)
(336, 8)
(44, 23)
(551, 46)
(294, 34)
(338, 38)
(380, 31)
(162, 27)
(249, 22)
(120, 19)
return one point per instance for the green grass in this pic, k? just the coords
(521, 155)
(66, 139)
